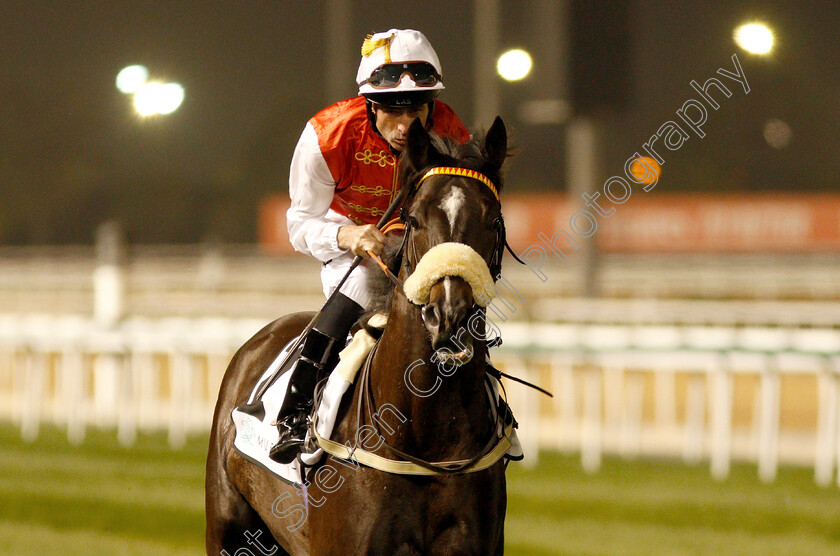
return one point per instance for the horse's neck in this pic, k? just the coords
(446, 416)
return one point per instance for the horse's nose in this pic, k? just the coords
(446, 311)
(453, 315)
(431, 315)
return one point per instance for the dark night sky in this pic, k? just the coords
(253, 74)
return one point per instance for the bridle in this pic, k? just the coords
(498, 226)
(498, 444)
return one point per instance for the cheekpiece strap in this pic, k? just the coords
(463, 172)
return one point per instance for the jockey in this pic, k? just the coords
(344, 175)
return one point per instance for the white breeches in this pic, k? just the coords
(356, 285)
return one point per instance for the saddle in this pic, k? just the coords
(256, 430)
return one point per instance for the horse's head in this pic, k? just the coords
(454, 232)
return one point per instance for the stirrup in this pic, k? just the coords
(287, 452)
(292, 440)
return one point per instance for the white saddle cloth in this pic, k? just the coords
(256, 431)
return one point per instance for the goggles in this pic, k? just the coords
(387, 76)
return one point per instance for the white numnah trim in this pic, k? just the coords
(450, 259)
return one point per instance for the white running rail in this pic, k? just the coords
(766, 394)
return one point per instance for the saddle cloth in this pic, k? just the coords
(256, 432)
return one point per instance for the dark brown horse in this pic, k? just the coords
(420, 408)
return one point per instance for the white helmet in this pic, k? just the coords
(399, 67)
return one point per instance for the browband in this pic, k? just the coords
(452, 171)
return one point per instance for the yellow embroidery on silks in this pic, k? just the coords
(377, 191)
(366, 210)
(369, 45)
(382, 158)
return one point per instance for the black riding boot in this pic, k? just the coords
(317, 358)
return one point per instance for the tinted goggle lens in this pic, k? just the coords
(423, 74)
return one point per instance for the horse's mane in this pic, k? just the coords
(448, 146)
(379, 285)
(472, 155)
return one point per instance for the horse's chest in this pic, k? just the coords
(408, 518)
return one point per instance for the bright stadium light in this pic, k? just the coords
(514, 65)
(158, 98)
(131, 78)
(173, 96)
(754, 37)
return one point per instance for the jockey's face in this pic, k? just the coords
(393, 123)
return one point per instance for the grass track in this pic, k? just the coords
(100, 498)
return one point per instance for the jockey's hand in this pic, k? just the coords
(361, 239)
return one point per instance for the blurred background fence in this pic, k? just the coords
(700, 357)
(697, 320)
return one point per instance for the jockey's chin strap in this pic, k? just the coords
(491, 453)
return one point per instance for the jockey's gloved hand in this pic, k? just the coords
(361, 239)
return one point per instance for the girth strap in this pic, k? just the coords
(408, 468)
(410, 465)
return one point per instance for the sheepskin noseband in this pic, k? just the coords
(450, 259)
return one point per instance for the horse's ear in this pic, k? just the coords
(419, 145)
(495, 143)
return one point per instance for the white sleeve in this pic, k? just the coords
(312, 225)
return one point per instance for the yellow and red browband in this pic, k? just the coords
(463, 172)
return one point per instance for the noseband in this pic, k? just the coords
(450, 259)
